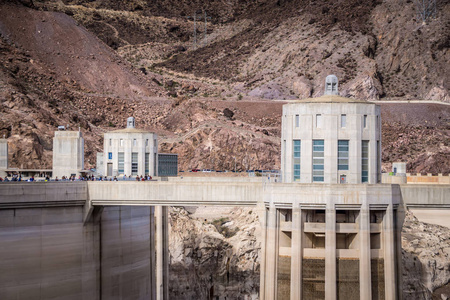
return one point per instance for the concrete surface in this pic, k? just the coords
(331, 108)
(77, 240)
(68, 153)
(433, 216)
(3, 154)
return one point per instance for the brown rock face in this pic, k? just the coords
(214, 251)
(417, 134)
(54, 72)
(377, 49)
(426, 265)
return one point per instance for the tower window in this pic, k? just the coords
(342, 155)
(121, 142)
(134, 163)
(365, 161)
(365, 121)
(378, 163)
(319, 121)
(318, 160)
(134, 142)
(343, 121)
(120, 165)
(147, 163)
(297, 154)
(297, 120)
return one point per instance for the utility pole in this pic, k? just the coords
(426, 9)
(195, 18)
(206, 30)
(195, 28)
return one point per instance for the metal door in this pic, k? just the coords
(109, 169)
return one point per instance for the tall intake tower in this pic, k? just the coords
(329, 230)
(331, 139)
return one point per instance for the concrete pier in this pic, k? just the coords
(162, 253)
(297, 253)
(337, 232)
(330, 252)
(365, 252)
(271, 253)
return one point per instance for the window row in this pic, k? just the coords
(135, 142)
(134, 163)
(343, 121)
(342, 159)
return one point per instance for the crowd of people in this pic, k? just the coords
(13, 178)
(16, 177)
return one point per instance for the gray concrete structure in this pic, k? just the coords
(399, 168)
(82, 240)
(335, 240)
(130, 151)
(349, 134)
(320, 241)
(100, 167)
(331, 85)
(3, 154)
(328, 237)
(68, 153)
(50, 250)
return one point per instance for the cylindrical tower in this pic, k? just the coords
(331, 139)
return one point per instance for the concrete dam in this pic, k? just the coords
(329, 228)
(108, 240)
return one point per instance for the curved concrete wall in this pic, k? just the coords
(299, 122)
(50, 253)
(47, 253)
(127, 248)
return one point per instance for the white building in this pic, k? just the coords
(130, 151)
(68, 153)
(331, 241)
(3, 154)
(331, 139)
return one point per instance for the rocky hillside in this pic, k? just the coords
(416, 134)
(53, 72)
(90, 65)
(283, 49)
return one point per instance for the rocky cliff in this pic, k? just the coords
(215, 251)
(426, 260)
(283, 49)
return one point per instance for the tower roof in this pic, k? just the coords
(331, 99)
(131, 130)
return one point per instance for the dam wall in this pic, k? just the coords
(49, 252)
(429, 203)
